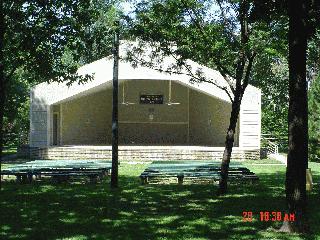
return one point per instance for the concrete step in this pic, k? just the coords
(140, 154)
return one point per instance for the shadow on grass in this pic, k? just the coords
(84, 211)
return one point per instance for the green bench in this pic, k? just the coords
(60, 170)
(195, 171)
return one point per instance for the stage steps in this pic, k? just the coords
(141, 153)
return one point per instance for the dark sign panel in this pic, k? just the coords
(151, 99)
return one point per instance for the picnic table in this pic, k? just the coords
(60, 170)
(197, 171)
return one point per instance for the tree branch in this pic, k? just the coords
(204, 35)
(188, 73)
(240, 68)
(226, 77)
(248, 71)
(243, 53)
(226, 21)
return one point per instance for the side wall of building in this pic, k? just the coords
(209, 120)
(39, 111)
(250, 119)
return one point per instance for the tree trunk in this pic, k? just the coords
(242, 73)
(114, 171)
(228, 146)
(2, 83)
(297, 161)
(2, 103)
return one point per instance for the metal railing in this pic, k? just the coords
(270, 144)
(273, 148)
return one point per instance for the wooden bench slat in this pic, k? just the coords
(193, 171)
(59, 168)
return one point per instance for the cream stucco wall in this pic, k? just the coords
(87, 120)
(161, 112)
(209, 120)
(198, 119)
(156, 124)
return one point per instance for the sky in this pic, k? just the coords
(127, 6)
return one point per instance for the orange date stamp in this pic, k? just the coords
(266, 216)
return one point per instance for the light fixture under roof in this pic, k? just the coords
(169, 103)
(123, 96)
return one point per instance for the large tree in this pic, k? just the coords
(303, 18)
(225, 35)
(2, 79)
(298, 114)
(303, 21)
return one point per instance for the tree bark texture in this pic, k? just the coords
(243, 70)
(297, 161)
(114, 171)
(2, 82)
(228, 146)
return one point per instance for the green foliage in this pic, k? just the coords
(271, 75)
(168, 22)
(314, 120)
(95, 38)
(16, 111)
(196, 32)
(313, 58)
(313, 69)
(49, 41)
(216, 38)
(203, 32)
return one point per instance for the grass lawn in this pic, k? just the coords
(87, 211)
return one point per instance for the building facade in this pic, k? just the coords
(155, 109)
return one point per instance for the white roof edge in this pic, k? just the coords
(102, 69)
